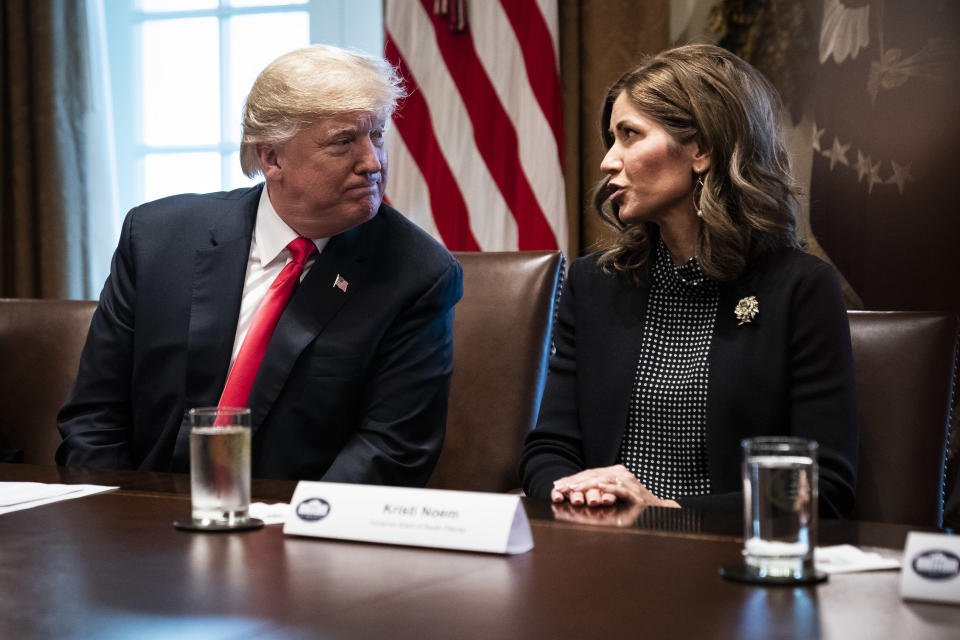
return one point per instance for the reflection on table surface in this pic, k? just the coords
(680, 521)
(111, 565)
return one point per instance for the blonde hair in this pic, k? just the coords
(302, 86)
(707, 95)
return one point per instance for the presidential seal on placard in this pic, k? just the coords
(313, 509)
(936, 564)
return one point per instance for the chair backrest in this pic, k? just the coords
(951, 483)
(40, 345)
(501, 340)
(905, 365)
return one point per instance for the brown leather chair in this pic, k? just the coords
(951, 481)
(40, 344)
(905, 365)
(501, 339)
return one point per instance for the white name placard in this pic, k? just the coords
(931, 568)
(464, 520)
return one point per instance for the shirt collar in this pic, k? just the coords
(271, 234)
(687, 276)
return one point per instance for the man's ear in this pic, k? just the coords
(269, 160)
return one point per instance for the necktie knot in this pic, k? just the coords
(301, 248)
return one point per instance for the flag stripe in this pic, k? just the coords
(499, 149)
(449, 209)
(500, 54)
(407, 183)
(492, 224)
(484, 112)
(534, 38)
(551, 17)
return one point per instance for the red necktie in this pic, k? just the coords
(244, 371)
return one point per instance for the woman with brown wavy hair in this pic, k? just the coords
(704, 323)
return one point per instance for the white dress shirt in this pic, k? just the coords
(268, 256)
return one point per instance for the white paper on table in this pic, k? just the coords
(15, 496)
(270, 513)
(846, 558)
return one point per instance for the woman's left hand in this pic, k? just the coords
(605, 486)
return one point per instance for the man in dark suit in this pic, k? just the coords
(353, 384)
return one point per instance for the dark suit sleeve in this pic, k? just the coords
(95, 422)
(554, 448)
(821, 393)
(405, 406)
(822, 383)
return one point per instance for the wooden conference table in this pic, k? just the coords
(112, 566)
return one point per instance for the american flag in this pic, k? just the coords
(340, 283)
(476, 149)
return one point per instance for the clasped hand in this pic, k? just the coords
(605, 486)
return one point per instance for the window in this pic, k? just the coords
(180, 71)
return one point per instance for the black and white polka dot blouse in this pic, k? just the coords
(665, 440)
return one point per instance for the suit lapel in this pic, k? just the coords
(220, 266)
(727, 363)
(218, 276)
(313, 305)
(624, 339)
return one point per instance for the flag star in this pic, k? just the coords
(817, 135)
(837, 153)
(873, 175)
(862, 166)
(901, 175)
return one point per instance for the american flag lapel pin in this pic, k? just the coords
(340, 283)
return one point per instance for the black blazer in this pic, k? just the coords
(353, 386)
(788, 372)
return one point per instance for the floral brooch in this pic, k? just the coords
(747, 309)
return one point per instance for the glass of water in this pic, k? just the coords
(220, 466)
(780, 488)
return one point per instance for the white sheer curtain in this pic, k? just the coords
(101, 224)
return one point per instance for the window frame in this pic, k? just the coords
(356, 24)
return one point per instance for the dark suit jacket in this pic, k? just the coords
(353, 386)
(788, 372)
